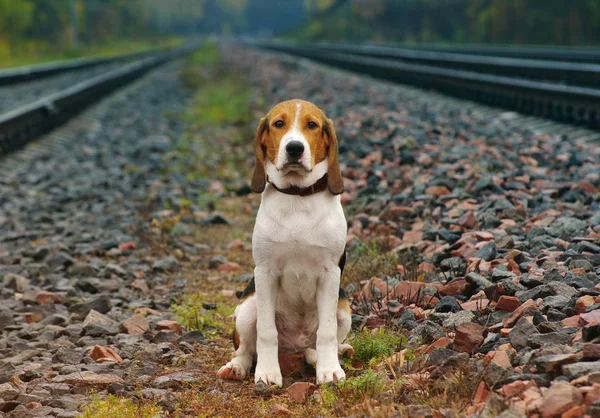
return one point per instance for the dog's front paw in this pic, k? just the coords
(231, 371)
(330, 373)
(270, 376)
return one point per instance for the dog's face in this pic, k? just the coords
(295, 136)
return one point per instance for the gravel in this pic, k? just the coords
(490, 209)
(68, 212)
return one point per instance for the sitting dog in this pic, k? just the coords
(294, 303)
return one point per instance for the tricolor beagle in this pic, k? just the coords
(293, 303)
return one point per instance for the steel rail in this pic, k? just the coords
(33, 72)
(579, 74)
(579, 105)
(19, 126)
(586, 54)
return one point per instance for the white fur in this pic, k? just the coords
(294, 134)
(296, 245)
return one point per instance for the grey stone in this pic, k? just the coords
(216, 260)
(478, 280)
(555, 302)
(101, 304)
(115, 269)
(456, 265)
(447, 304)
(520, 333)
(167, 264)
(426, 333)
(458, 318)
(488, 252)
(540, 340)
(567, 228)
(439, 355)
(60, 260)
(573, 371)
(173, 380)
(68, 356)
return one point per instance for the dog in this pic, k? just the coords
(294, 302)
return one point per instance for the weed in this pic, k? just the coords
(192, 313)
(113, 406)
(355, 389)
(454, 390)
(370, 257)
(372, 347)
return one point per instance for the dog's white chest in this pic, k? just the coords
(299, 236)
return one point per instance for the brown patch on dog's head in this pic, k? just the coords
(305, 122)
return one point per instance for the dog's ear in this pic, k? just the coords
(334, 176)
(259, 178)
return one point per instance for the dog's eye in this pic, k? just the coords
(279, 124)
(312, 125)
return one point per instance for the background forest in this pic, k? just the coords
(41, 27)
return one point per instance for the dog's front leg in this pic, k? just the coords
(267, 365)
(328, 365)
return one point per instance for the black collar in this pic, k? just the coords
(317, 187)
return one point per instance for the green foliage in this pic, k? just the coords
(192, 315)
(113, 406)
(355, 389)
(372, 347)
(551, 22)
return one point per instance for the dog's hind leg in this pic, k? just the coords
(344, 322)
(244, 341)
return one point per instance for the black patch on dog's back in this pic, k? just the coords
(249, 290)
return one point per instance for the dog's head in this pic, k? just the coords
(295, 136)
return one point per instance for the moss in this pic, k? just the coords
(372, 347)
(355, 389)
(114, 406)
(192, 314)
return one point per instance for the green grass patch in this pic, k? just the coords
(372, 348)
(192, 314)
(228, 101)
(114, 406)
(217, 141)
(355, 389)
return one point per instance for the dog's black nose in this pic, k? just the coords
(294, 149)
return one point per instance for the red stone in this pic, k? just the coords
(437, 191)
(507, 303)
(44, 297)
(469, 336)
(500, 358)
(455, 287)
(583, 302)
(468, 220)
(591, 351)
(559, 398)
(482, 394)
(169, 325)
(409, 292)
(136, 325)
(301, 391)
(589, 317)
(102, 354)
(412, 237)
(510, 320)
(229, 267)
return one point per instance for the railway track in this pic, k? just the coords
(11, 76)
(567, 92)
(19, 126)
(589, 55)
